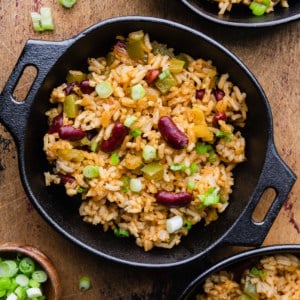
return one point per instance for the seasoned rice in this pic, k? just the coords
(272, 277)
(203, 168)
(226, 5)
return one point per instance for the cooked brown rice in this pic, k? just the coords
(203, 168)
(273, 277)
(226, 5)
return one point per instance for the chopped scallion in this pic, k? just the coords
(224, 134)
(67, 3)
(191, 185)
(137, 92)
(258, 9)
(125, 184)
(187, 224)
(178, 167)
(210, 197)
(42, 21)
(91, 172)
(39, 276)
(27, 265)
(194, 168)
(104, 89)
(149, 153)
(84, 283)
(129, 121)
(136, 132)
(120, 232)
(94, 146)
(114, 159)
(34, 292)
(173, 224)
(22, 280)
(135, 185)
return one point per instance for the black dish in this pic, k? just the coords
(27, 123)
(234, 262)
(241, 16)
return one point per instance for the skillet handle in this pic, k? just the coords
(276, 174)
(42, 55)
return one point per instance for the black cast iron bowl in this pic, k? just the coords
(27, 123)
(236, 262)
(241, 16)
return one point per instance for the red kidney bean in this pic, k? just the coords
(116, 138)
(66, 179)
(151, 75)
(219, 116)
(174, 199)
(69, 88)
(200, 94)
(56, 124)
(171, 133)
(68, 132)
(219, 94)
(85, 87)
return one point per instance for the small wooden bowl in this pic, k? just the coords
(52, 287)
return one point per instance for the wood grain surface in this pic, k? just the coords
(272, 54)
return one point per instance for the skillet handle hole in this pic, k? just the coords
(264, 205)
(24, 83)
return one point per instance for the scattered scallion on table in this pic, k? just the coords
(67, 3)
(42, 21)
(84, 283)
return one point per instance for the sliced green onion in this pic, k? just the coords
(224, 134)
(137, 92)
(12, 296)
(114, 159)
(91, 172)
(201, 148)
(187, 224)
(46, 18)
(210, 197)
(34, 284)
(259, 273)
(27, 265)
(174, 223)
(67, 3)
(135, 185)
(194, 168)
(191, 185)
(258, 9)
(34, 292)
(104, 89)
(5, 283)
(22, 280)
(178, 167)
(82, 190)
(136, 132)
(129, 121)
(39, 276)
(84, 283)
(36, 21)
(8, 268)
(120, 232)
(149, 153)
(20, 292)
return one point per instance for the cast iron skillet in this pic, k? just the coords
(236, 262)
(27, 123)
(241, 16)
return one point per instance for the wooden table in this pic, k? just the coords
(273, 55)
